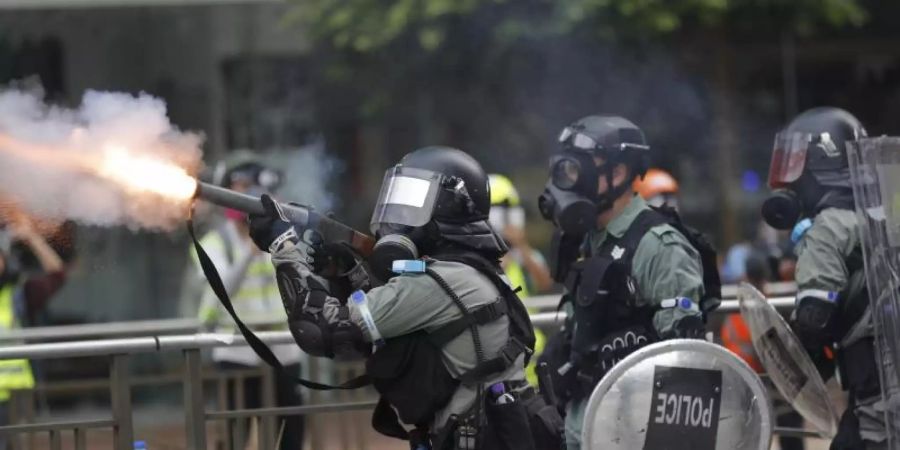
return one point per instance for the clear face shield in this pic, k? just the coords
(408, 197)
(574, 138)
(788, 158)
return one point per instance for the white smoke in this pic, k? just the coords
(307, 172)
(47, 168)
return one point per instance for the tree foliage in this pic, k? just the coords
(369, 25)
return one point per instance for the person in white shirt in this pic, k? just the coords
(249, 278)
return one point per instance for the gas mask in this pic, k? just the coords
(782, 209)
(395, 243)
(795, 192)
(408, 200)
(570, 199)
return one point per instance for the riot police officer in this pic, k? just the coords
(811, 177)
(451, 336)
(637, 278)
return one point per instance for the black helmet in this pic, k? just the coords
(570, 198)
(614, 138)
(810, 169)
(454, 163)
(434, 197)
(815, 142)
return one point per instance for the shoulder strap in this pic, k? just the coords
(258, 346)
(514, 345)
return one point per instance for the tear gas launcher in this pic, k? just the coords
(333, 232)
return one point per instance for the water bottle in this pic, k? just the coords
(499, 394)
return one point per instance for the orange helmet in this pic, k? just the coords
(656, 182)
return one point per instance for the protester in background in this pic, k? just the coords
(19, 291)
(524, 266)
(658, 188)
(249, 278)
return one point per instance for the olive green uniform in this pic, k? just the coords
(665, 266)
(823, 253)
(412, 302)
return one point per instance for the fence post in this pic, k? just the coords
(194, 407)
(120, 391)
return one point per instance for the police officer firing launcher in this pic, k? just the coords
(638, 278)
(811, 177)
(452, 338)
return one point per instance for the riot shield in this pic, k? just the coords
(681, 394)
(786, 361)
(875, 175)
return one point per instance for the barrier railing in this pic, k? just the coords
(190, 346)
(781, 293)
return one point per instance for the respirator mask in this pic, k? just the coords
(784, 206)
(406, 204)
(570, 199)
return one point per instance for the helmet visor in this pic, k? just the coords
(408, 197)
(577, 139)
(788, 158)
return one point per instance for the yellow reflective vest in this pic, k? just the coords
(14, 373)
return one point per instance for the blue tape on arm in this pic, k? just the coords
(402, 266)
(359, 299)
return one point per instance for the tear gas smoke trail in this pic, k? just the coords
(116, 160)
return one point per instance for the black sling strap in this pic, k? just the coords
(259, 347)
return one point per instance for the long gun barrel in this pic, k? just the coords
(302, 217)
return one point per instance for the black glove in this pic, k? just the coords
(812, 322)
(271, 230)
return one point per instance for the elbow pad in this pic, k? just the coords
(304, 301)
(814, 314)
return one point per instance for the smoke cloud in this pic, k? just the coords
(53, 159)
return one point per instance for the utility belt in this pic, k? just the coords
(590, 365)
(502, 425)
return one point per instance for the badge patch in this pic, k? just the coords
(617, 252)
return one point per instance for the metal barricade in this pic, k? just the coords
(196, 415)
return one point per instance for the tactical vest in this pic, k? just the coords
(609, 325)
(409, 373)
(14, 373)
(856, 353)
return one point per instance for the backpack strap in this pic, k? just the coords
(505, 358)
(481, 316)
(513, 347)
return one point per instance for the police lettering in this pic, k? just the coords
(684, 410)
